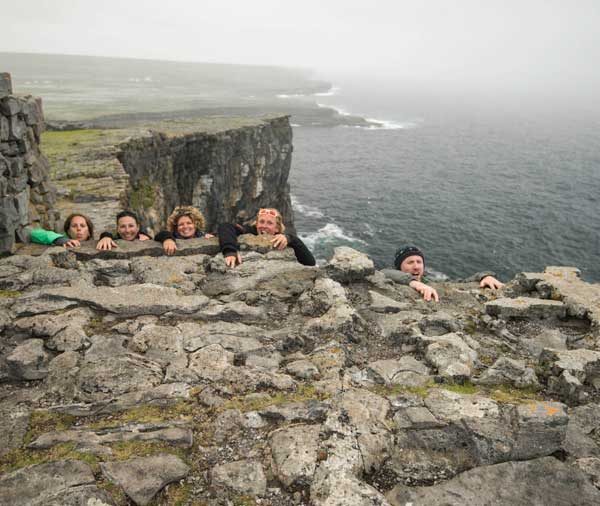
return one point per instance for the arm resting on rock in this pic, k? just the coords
(163, 236)
(402, 278)
(303, 254)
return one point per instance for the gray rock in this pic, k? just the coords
(294, 453)
(331, 489)
(50, 483)
(321, 297)
(245, 477)
(176, 272)
(130, 301)
(405, 371)
(237, 311)
(548, 338)
(226, 424)
(417, 417)
(506, 371)
(382, 304)
(438, 323)
(29, 361)
(536, 482)
(264, 360)
(5, 84)
(175, 434)
(581, 437)
(348, 265)
(526, 307)
(211, 362)
(143, 477)
(235, 337)
(311, 411)
(303, 369)
(15, 423)
(452, 357)
(591, 467)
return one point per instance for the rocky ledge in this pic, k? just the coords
(133, 378)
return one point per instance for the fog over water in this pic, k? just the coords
(488, 151)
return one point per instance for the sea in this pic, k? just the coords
(498, 181)
(506, 185)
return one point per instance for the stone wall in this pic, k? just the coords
(26, 195)
(228, 175)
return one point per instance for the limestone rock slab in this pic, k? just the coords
(143, 477)
(244, 477)
(348, 265)
(526, 307)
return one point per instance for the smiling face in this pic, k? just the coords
(266, 222)
(78, 229)
(413, 265)
(186, 227)
(128, 228)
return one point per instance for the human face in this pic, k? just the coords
(186, 227)
(413, 265)
(78, 229)
(266, 223)
(128, 228)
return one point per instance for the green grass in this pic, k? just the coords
(9, 294)
(303, 393)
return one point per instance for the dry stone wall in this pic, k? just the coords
(26, 194)
(229, 175)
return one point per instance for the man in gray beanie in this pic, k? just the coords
(409, 263)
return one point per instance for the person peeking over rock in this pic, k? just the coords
(409, 263)
(78, 228)
(185, 222)
(268, 222)
(128, 229)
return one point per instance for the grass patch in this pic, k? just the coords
(125, 450)
(41, 422)
(466, 388)
(243, 500)
(9, 294)
(303, 393)
(506, 394)
(142, 195)
(20, 457)
(181, 410)
(387, 390)
(178, 494)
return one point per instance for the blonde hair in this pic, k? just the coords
(191, 212)
(278, 218)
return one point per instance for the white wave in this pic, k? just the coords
(339, 110)
(146, 79)
(329, 233)
(334, 90)
(306, 210)
(296, 95)
(295, 125)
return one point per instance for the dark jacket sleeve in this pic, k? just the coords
(477, 277)
(163, 235)
(228, 234)
(303, 254)
(106, 234)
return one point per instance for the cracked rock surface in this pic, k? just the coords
(131, 378)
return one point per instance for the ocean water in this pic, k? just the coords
(509, 187)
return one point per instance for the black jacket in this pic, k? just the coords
(163, 235)
(228, 234)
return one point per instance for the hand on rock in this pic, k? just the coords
(143, 237)
(490, 282)
(426, 291)
(106, 243)
(72, 243)
(279, 241)
(233, 260)
(169, 246)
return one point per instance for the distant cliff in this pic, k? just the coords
(228, 174)
(26, 195)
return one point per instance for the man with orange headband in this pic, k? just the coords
(268, 222)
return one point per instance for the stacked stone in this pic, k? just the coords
(26, 194)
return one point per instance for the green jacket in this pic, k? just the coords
(41, 236)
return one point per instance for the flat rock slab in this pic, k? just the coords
(174, 434)
(244, 477)
(526, 307)
(143, 477)
(382, 304)
(538, 482)
(582, 299)
(135, 300)
(294, 452)
(132, 249)
(451, 355)
(349, 265)
(53, 483)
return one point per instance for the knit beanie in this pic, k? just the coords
(404, 252)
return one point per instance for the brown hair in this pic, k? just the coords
(191, 212)
(278, 218)
(88, 222)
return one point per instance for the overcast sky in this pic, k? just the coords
(465, 40)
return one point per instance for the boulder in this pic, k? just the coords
(451, 355)
(348, 265)
(506, 371)
(29, 361)
(526, 307)
(294, 452)
(143, 477)
(244, 477)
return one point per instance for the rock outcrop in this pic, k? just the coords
(228, 174)
(26, 195)
(131, 377)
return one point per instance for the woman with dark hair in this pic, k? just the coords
(128, 229)
(78, 228)
(185, 222)
(268, 222)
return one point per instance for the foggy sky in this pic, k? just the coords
(507, 42)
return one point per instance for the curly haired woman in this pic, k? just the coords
(185, 222)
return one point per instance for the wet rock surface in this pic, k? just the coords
(144, 379)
